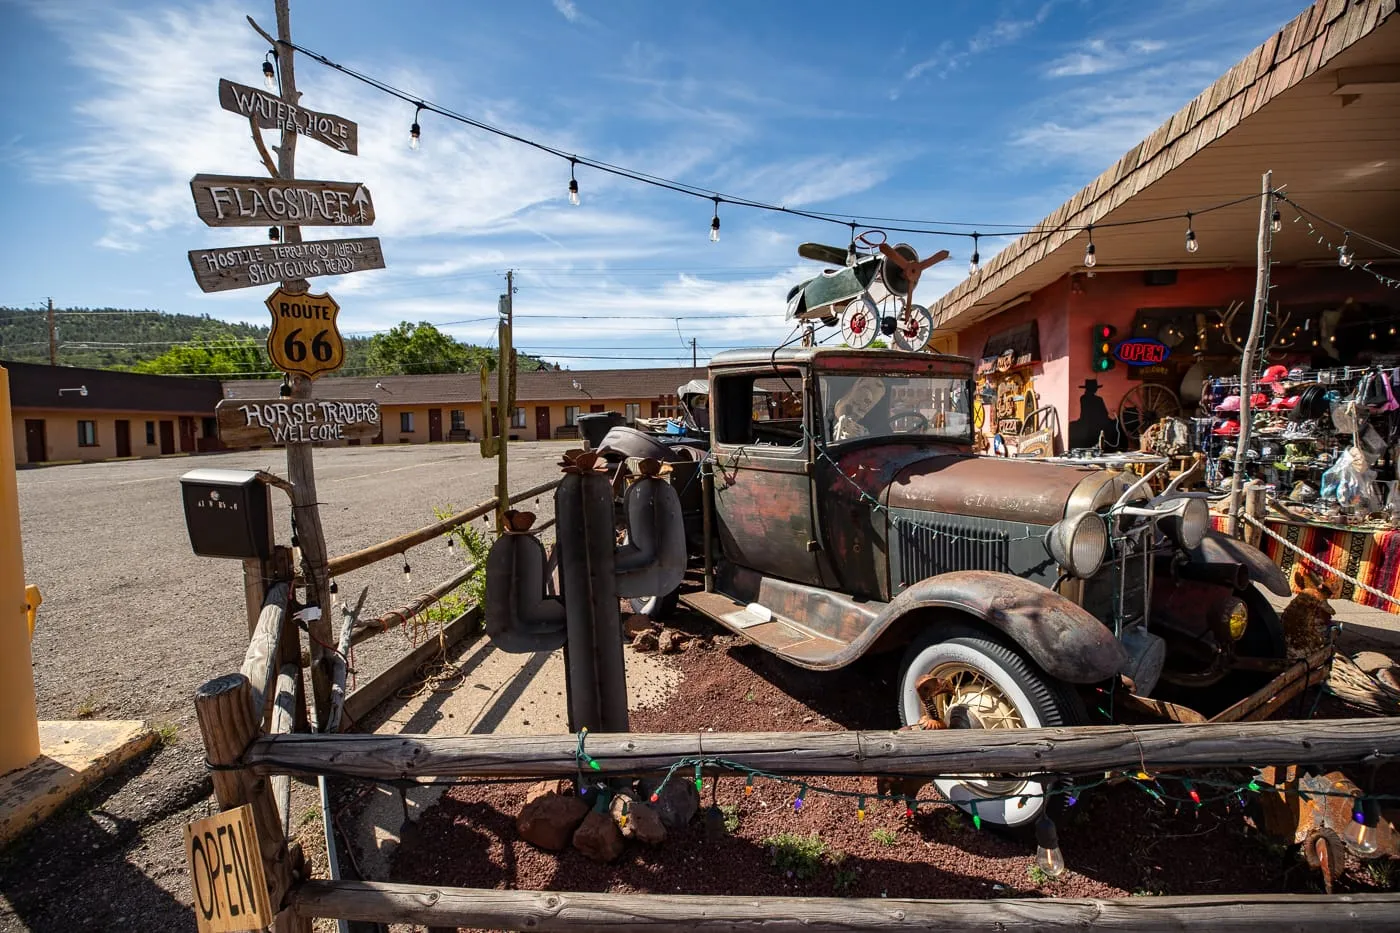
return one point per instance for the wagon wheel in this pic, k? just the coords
(1143, 406)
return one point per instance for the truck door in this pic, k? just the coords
(763, 498)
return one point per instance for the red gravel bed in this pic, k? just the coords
(1116, 840)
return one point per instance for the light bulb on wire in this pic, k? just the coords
(1361, 833)
(1344, 254)
(1047, 848)
(1275, 222)
(1090, 260)
(573, 183)
(415, 131)
(269, 74)
(1191, 244)
(975, 262)
(714, 223)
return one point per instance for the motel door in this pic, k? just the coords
(434, 424)
(541, 422)
(595, 407)
(123, 434)
(186, 434)
(36, 447)
(167, 437)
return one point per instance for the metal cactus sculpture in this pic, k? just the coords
(594, 570)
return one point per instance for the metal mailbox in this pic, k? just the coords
(228, 513)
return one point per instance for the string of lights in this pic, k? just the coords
(1346, 257)
(899, 225)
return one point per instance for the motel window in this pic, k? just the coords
(406, 422)
(517, 418)
(570, 415)
(210, 427)
(87, 433)
(459, 419)
(634, 411)
(150, 434)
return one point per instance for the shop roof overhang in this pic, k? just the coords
(1318, 104)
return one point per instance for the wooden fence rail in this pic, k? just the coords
(1079, 750)
(566, 912)
(385, 549)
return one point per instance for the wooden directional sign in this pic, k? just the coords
(256, 422)
(230, 889)
(273, 113)
(218, 270)
(304, 337)
(236, 201)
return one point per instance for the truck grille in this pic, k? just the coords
(1102, 597)
(929, 548)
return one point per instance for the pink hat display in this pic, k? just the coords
(1229, 403)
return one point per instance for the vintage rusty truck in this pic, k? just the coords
(835, 508)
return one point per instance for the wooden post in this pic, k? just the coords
(580, 912)
(224, 708)
(1256, 507)
(506, 395)
(306, 512)
(1256, 325)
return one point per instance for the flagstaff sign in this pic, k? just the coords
(291, 421)
(273, 113)
(218, 270)
(237, 201)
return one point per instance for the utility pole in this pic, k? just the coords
(53, 337)
(693, 363)
(1256, 326)
(505, 394)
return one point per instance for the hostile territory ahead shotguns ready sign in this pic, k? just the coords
(228, 267)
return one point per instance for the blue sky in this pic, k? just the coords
(980, 113)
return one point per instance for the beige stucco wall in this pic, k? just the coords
(61, 433)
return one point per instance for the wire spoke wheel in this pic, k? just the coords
(1143, 406)
(959, 696)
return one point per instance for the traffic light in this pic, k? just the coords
(1103, 347)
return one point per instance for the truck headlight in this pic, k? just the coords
(1188, 523)
(1078, 544)
(1236, 619)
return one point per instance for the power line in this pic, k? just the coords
(930, 228)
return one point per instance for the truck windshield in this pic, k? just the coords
(878, 405)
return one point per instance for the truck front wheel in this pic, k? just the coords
(963, 678)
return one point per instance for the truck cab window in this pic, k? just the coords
(759, 409)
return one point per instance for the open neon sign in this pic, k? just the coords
(1142, 351)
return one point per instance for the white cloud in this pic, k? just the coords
(1002, 32)
(568, 9)
(1101, 56)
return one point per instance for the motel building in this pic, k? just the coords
(447, 406)
(63, 414)
(1319, 105)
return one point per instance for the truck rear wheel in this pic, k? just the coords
(966, 679)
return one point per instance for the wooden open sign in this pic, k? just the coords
(230, 889)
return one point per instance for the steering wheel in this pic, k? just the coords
(908, 413)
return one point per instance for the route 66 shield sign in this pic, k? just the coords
(304, 337)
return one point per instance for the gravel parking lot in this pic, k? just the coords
(133, 622)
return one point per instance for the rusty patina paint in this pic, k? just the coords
(988, 487)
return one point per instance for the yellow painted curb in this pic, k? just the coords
(73, 756)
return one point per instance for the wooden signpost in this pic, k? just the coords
(273, 113)
(304, 337)
(218, 270)
(243, 201)
(226, 871)
(255, 422)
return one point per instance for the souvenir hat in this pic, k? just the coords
(1274, 374)
(1229, 403)
(1227, 428)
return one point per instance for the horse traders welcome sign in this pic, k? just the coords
(258, 422)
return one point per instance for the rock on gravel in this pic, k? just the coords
(599, 838)
(637, 820)
(549, 819)
(675, 803)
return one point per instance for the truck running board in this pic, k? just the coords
(789, 640)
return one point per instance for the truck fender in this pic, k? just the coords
(1059, 635)
(1217, 548)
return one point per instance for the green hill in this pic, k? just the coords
(155, 341)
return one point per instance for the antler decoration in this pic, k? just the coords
(1276, 328)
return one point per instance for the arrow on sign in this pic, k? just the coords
(361, 200)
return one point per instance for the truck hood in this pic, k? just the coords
(1031, 491)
